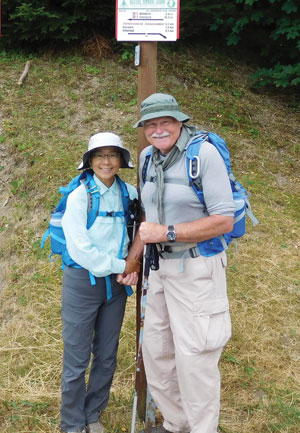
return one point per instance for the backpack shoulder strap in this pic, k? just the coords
(124, 196)
(146, 164)
(221, 147)
(93, 198)
(193, 163)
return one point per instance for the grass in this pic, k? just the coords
(44, 129)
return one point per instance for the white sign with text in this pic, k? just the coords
(147, 20)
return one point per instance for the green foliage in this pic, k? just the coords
(280, 76)
(16, 185)
(270, 28)
(127, 55)
(32, 23)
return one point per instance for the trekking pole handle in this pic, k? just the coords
(147, 260)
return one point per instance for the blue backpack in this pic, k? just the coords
(55, 230)
(240, 194)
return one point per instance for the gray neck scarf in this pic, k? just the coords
(163, 163)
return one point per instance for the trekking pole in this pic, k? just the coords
(139, 359)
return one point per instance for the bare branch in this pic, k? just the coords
(24, 73)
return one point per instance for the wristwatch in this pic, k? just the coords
(171, 234)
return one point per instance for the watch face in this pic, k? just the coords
(171, 235)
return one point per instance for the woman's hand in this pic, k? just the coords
(131, 273)
(128, 280)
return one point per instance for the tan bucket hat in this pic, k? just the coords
(160, 105)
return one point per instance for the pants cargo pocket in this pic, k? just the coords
(212, 324)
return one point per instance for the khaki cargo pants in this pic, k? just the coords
(187, 323)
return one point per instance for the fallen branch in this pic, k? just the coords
(24, 73)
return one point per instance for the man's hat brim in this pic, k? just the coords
(178, 115)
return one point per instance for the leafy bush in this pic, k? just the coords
(272, 29)
(280, 76)
(33, 23)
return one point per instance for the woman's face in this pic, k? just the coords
(105, 163)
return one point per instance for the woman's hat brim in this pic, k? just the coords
(126, 163)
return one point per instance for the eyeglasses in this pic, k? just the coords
(113, 156)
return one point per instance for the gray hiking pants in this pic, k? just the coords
(91, 324)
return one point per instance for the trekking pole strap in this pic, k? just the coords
(147, 260)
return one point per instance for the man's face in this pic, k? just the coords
(162, 132)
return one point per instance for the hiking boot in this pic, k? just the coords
(95, 427)
(159, 429)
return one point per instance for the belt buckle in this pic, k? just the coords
(193, 253)
(164, 248)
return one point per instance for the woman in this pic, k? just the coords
(92, 314)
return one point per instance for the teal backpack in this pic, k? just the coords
(240, 194)
(129, 215)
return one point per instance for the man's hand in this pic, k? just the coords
(152, 233)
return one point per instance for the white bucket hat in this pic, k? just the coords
(104, 139)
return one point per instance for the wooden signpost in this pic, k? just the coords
(146, 22)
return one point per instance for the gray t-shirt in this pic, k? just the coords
(181, 204)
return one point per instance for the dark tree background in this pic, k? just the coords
(269, 29)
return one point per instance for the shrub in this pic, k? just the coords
(32, 23)
(272, 29)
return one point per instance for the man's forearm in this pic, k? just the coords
(195, 231)
(137, 247)
(203, 229)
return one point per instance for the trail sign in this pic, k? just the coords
(147, 20)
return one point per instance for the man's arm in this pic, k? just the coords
(195, 231)
(137, 248)
(135, 253)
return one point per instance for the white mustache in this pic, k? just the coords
(162, 135)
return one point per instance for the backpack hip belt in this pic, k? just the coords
(161, 248)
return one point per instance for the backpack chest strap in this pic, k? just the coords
(115, 214)
(119, 214)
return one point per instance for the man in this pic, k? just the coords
(187, 321)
